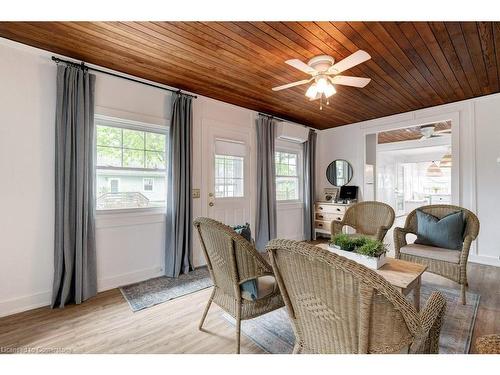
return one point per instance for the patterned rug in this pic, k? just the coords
(161, 289)
(273, 332)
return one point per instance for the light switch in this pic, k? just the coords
(196, 193)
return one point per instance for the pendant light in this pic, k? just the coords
(446, 160)
(434, 171)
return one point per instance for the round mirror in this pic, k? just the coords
(339, 172)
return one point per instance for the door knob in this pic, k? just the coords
(211, 204)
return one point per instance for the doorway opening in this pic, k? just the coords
(410, 167)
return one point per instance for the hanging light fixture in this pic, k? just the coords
(446, 160)
(434, 171)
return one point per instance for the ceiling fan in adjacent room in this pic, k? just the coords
(429, 131)
(324, 72)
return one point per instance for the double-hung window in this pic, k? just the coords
(131, 162)
(288, 176)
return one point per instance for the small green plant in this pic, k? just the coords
(343, 241)
(361, 245)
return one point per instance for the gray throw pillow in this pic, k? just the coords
(446, 232)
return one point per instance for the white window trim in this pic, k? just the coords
(293, 148)
(132, 125)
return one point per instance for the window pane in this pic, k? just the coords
(118, 150)
(109, 156)
(287, 188)
(129, 189)
(228, 176)
(155, 142)
(133, 139)
(155, 160)
(133, 158)
(286, 164)
(109, 136)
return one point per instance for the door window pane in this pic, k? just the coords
(228, 176)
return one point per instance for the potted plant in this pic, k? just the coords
(366, 251)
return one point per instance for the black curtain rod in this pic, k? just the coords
(83, 66)
(282, 119)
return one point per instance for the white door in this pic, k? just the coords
(227, 171)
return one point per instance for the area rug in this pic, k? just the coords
(273, 332)
(161, 289)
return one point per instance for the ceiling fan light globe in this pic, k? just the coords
(312, 91)
(330, 90)
(322, 84)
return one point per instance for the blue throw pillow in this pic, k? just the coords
(249, 288)
(244, 231)
(446, 232)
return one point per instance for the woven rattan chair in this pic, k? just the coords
(451, 264)
(369, 218)
(339, 306)
(489, 344)
(231, 261)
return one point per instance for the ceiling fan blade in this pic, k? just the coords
(350, 81)
(288, 85)
(302, 66)
(356, 58)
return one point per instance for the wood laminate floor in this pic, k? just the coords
(105, 324)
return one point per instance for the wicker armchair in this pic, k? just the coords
(489, 344)
(451, 264)
(339, 306)
(369, 218)
(231, 261)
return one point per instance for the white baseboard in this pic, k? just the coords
(128, 278)
(34, 301)
(481, 259)
(20, 304)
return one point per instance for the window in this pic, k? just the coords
(147, 184)
(130, 165)
(287, 176)
(114, 185)
(228, 176)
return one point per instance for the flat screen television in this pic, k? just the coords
(348, 192)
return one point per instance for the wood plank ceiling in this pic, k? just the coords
(412, 133)
(414, 64)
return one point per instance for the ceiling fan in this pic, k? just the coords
(324, 70)
(429, 131)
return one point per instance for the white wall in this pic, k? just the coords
(129, 246)
(478, 141)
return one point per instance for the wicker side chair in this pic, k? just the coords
(488, 344)
(369, 218)
(339, 306)
(231, 261)
(451, 264)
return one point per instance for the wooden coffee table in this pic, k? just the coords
(404, 276)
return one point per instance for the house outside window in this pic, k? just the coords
(131, 162)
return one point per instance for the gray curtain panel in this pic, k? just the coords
(266, 182)
(309, 184)
(178, 252)
(75, 277)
